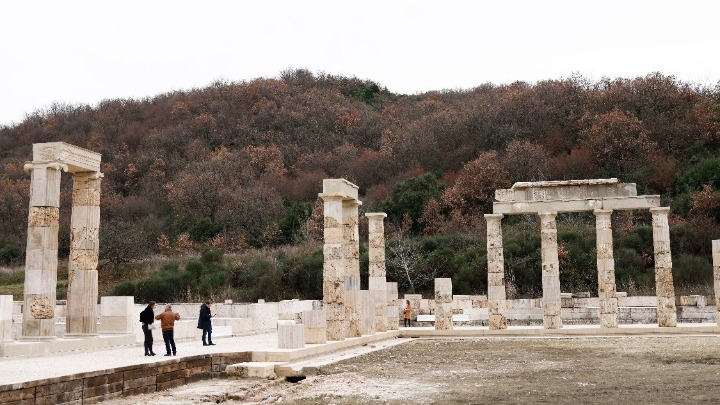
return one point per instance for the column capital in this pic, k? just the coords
(331, 197)
(376, 215)
(599, 212)
(30, 166)
(493, 216)
(547, 215)
(660, 210)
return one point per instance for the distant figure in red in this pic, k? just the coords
(408, 313)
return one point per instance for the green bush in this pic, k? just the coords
(9, 250)
(126, 288)
(692, 270)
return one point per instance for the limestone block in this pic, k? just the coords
(43, 216)
(665, 289)
(291, 336)
(393, 318)
(392, 291)
(340, 187)
(608, 306)
(43, 238)
(6, 315)
(367, 313)
(117, 306)
(552, 322)
(85, 216)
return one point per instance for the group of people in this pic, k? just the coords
(167, 320)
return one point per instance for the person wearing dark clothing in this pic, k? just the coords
(205, 324)
(147, 318)
(167, 323)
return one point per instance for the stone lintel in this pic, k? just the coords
(565, 190)
(76, 158)
(340, 187)
(609, 203)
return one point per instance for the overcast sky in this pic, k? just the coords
(87, 51)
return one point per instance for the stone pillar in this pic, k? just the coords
(393, 312)
(41, 256)
(606, 269)
(82, 292)
(496, 272)
(351, 247)
(315, 324)
(716, 271)
(443, 304)
(552, 318)
(377, 283)
(664, 288)
(367, 312)
(6, 311)
(334, 268)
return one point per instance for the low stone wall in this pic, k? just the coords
(97, 386)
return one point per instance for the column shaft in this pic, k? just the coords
(664, 287)
(716, 276)
(393, 310)
(82, 293)
(377, 282)
(552, 318)
(334, 268)
(443, 304)
(606, 269)
(351, 247)
(41, 256)
(496, 272)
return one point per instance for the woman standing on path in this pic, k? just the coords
(205, 323)
(147, 318)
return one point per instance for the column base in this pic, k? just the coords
(85, 335)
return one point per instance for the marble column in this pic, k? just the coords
(496, 272)
(606, 269)
(82, 292)
(393, 311)
(377, 282)
(41, 256)
(716, 273)
(334, 267)
(443, 304)
(664, 288)
(552, 318)
(351, 244)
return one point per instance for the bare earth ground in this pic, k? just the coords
(637, 370)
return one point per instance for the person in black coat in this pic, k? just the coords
(147, 318)
(205, 324)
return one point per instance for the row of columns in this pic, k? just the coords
(607, 293)
(41, 259)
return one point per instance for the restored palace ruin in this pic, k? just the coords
(601, 196)
(41, 261)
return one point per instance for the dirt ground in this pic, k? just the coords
(638, 370)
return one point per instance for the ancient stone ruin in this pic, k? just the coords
(546, 199)
(42, 243)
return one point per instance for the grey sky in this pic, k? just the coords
(87, 51)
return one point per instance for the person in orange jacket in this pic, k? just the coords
(167, 324)
(408, 313)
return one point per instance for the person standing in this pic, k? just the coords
(147, 318)
(408, 313)
(167, 324)
(205, 323)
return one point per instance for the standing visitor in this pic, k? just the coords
(408, 313)
(147, 318)
(167, 324)
(205, 323)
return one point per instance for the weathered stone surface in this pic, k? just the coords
(550, 270)
(666, 311)
(291, 336)
(443, 304)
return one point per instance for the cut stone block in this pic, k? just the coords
(291, 336)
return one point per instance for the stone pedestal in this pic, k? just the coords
(550, 271)
(443, 304)
(6, 311)
(315, 324)
(393, 312)
(665, 289)
(376, 254)
(716, 273)
(84, 247)
(291, 336)
(117, 315)
(41, 256)
(606, 269)
(496, 273)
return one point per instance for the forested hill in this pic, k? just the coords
(241, 164)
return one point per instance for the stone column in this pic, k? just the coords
(351, 247)
(496, 272)
(393, 312)
(606, 269)
(716, 271)
(82, 292)
(552, 318)
(443, 304)
(41, 256)
(377, 283)
(6, 311)
(664, 288)
(334, 268)
(367, 312)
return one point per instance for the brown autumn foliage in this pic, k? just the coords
(243, 161)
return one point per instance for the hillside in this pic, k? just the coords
(239, 165)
